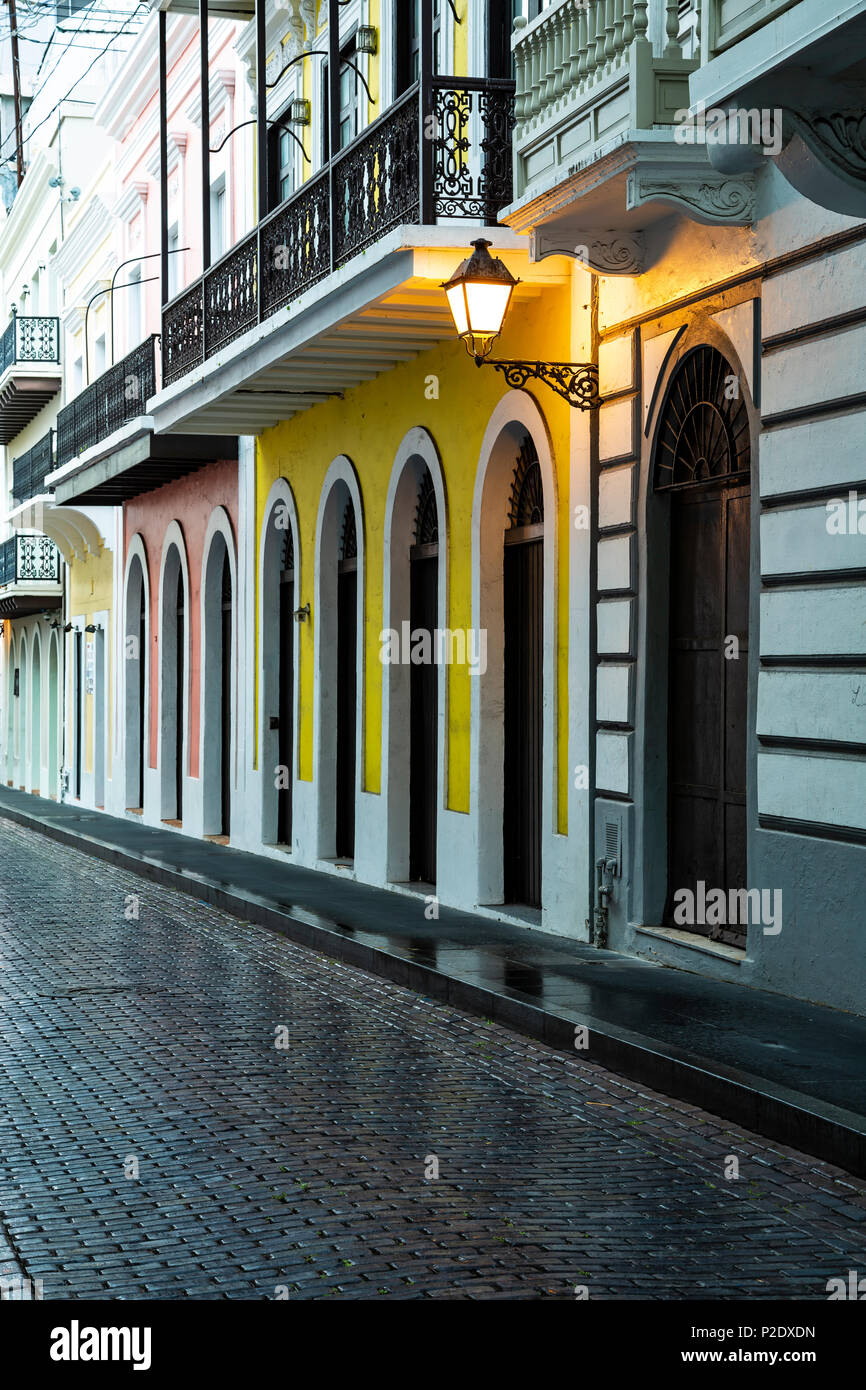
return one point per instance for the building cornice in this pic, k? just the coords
(78, 246)
(20, 223)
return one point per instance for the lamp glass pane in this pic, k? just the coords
(457, 303)
(487, 304)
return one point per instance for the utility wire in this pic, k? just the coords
(30, 133)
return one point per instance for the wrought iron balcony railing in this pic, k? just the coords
(30, 470)
(115, 398)
(390, 175)
(29, 338)
(29, 559)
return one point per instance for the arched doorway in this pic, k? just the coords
(424, 686)
(286, 691)
(523, 609)
(11, 707)
(36, 716)
(135, 672)
(347, 683)
(226, 697)
(78, 709)
(173, 685)
(702, 463)
(278, 586)
(21, 713)
(53, 766)
(217, 682)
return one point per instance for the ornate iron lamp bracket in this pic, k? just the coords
(576, 382)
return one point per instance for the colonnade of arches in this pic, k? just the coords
(512, 777)
(169, 747)
(33, 710)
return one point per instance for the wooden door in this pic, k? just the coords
(286, 695)
(347, 685)
(708, 699)
(226, 702)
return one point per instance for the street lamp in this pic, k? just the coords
(479, 294)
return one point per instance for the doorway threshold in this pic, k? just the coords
(735, 954)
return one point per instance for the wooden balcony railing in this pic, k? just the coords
(391, 175)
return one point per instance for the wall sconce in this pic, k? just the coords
(93, 627)
(367, 39)
(302, 614)
(299, 111)
(69, 627)
(479, 294)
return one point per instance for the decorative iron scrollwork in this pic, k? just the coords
(295, 246)
(376, 181)
(576, 382)
(182, 334)
(426, 514)
(526, 503)
(115, 398)
(704, 431)
(30, 470)
(472, 178)
(349, 538)
(231, 303)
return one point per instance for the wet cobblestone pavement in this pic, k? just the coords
(148, 1045)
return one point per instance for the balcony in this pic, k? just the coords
(30, 470)
(29, 576)
(390, 192)
(106, 451)
(599, 89)
(29, 371)
(807, 60)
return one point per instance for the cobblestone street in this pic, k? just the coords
(149, 1045)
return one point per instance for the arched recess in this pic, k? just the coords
(11, 711)
(21, 721)
(515, 440)
(279, 587)
(136, 685)
(415, 590)
(53, 715)
(174, 593)
(694, 705)
(339, 642)
(36, 712)
(218, 743)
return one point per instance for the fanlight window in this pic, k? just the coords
(426, 517)
(349, 538)
(526, 504)
(704, 432)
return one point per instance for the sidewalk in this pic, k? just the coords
(791, 1071)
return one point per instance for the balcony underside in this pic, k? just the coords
(124, 468)
(23, 393)
(23, 600)
(381, 309)
(599, 213)
(73, 532)
(809, 63)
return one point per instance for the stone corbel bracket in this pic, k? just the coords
(715, 199)
(606, 253)
(825, 158)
